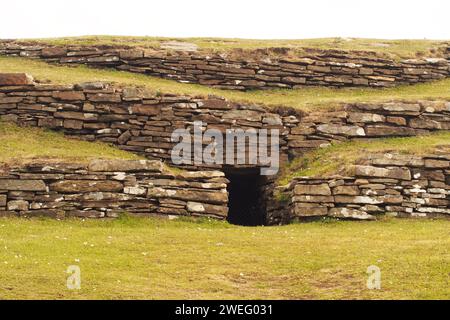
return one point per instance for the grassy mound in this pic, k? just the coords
(313, 98)
(338, 158)
(396, 48)
(23, 145)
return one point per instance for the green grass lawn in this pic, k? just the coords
(149, 258)
(338, 158)
(24, 145)
(400, 48)
(311, 98)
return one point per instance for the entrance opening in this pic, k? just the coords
(245, 202)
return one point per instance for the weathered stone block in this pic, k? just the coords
(311, 198)
(346, 190)
(309, 143)
(22, 185)
(53, 52)
(400, 121)
(348, 213)
(131, 54)
(393, 173)
(341, 129)
(312, 189)
(2, 200)
(204, 208)
(189, 195)
(74, 186)
(357, 199)
(435, 163)
(365, 117)
(73, 124)
(83, 116)
(302, 210)
(134, 190)
(104, 97)
(69, 95)
(15, 79)
(248, 115)
(294, 80)
(125, 165)
(18, 205)
(385, 131)
(145, 109)
(401, 107)
(195, 175)
(389, 159)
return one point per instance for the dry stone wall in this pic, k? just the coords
(392, 184)
(329, 68)
(140, 121)
(133, 119)
(106, 188)
(368, 121)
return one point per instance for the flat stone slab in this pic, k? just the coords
(15, 79)
(179, 46)
(125, 165)
(22, 185)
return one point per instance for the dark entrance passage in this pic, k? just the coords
(245, 201)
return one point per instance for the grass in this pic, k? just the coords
(148, 258)
(338, 158)
(397, 48)
(23, 145)
(313, 98)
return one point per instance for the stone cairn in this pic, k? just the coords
(331, 68)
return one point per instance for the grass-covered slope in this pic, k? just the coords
(157, 259)
(338, 158)
(23, 145)
(396, 48)
(304, 99)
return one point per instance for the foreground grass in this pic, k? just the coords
(314, 98)
(149, 258)
(400, 48)
(22, 145)
(338, 158)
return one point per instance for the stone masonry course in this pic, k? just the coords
(140, 121)
(107, 188)
(330, 68)
(381, 184)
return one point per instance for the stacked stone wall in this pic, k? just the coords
(381, 184)
(330, 68)
(140, 121)
(106, 188)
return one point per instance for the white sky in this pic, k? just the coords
(264, 19)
